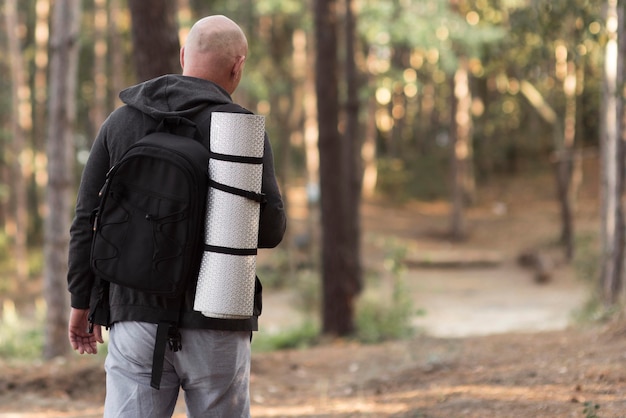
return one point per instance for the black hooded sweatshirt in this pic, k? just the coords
(144, 106)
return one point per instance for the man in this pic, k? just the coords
(213, 366)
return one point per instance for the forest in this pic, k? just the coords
(373, 108)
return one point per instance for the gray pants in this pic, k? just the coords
(213, 369)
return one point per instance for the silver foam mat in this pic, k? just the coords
(225, 286)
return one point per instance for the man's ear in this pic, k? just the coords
(238, 67)
(182, 57)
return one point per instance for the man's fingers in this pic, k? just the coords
(84, 343)
(97, 332)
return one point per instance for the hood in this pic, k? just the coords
(174, 95)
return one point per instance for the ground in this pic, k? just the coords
(494, 342)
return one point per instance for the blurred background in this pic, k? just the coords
(430, 152)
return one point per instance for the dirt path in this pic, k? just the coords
(513, 375)
(495, 300)
(552, 374)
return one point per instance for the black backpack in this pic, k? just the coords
(149, 226)
(148, 229)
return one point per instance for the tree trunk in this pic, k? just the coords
(155, 38)
(563, 137)
(303, 128)
(99, 109)
(339, 278)
(40, 95)
(20, 124)
(116, 53)
(352, 145)
(312, 156)
(565, 164)
(612, 154)
(462, 151)
(64, 50)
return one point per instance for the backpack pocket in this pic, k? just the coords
(140, 240)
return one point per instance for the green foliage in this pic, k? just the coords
(586, 266)
(289, 7)
(428, 24)
(590, 409)
(308, 292)
(393, 179)
(587, 259)
(379, 321)
(426, 179)
(384, 312)
(380, 318)
(593, 311)
(274, 272)
(8, 284)
(21, 338)
(305, 284)
(300, 337)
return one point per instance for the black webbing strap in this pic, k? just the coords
(158, 356)
(257, 197)
(236, 158)
(230, 250)
(167, 335)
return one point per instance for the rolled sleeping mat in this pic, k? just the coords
(226, 280)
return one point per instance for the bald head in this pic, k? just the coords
(215, 50)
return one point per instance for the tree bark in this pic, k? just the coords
(20, 123)
(462, 151)
(565, 164)
(155, 38)
(64, 50)
(339, 276)
(312, 157)
(352, 144)
(40, 113)
(116, 54)
(612, 155)
(99, 109)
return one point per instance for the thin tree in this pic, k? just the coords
(340, 275)
(64, 48)
(612, 156)
(116, 52)
(40, 106)
(155, 37)
(99, 109)
(312, 153)
(462, 149)
(565, 161)
(20, 124)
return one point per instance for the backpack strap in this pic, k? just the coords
(180, 126)
(257, 197)
(167, 334)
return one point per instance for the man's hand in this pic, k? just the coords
(78, 332)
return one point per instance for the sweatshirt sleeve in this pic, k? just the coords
(80, 277)
(273, 221)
